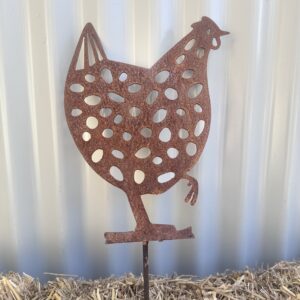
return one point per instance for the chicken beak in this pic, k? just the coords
(224, 33)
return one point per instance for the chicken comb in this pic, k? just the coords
(142, 129)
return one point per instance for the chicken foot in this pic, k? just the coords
(191, 197)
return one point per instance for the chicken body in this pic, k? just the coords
(142, 129)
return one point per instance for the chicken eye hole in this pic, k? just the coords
(215, 43)
(123, 76)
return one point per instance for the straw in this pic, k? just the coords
(281, 281)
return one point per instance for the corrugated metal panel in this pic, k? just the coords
(54, 208)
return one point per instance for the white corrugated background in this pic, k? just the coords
(54, 209)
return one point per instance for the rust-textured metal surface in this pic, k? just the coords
(146, 270)
(142, 129)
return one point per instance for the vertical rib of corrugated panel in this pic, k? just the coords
(54, 208)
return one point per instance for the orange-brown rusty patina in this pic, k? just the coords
(142, 129)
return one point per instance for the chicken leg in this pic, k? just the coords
(193, 193)
(143, 223)
(138, 209)
(145, 230)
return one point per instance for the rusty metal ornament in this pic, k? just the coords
(142, 129)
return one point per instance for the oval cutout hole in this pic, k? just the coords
(143, 153)
(115, 97)
(195, 90)
(165, 177)
(146, 132)
(86, 136)
(127, 136)
(107, 133)
(172, 152)
(200, 52)
(191, 149)
(123, 77)
(199, 128)
(117, 154)
(134, 111)
(171, 94)
(139, 176)
(92, 100)
(157, 160)
(189, 45)
(134, 88)
(180, 112)
(165, 135)
(76, 112)
(183, 133)
(89, 78)
(152, 96)
(160, 115)
(214, 42)
(105, 112)
(197, 108)
(106, 75)
(180, 59)
(162, 76)
(91, 122)
(187, 74)
(116, 173)
(97, 155)
(118, 119)
(77, 88)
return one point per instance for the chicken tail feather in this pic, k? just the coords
(89, 49)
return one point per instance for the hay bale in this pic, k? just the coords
(281, 281)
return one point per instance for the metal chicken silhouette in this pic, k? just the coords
(142, 129)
